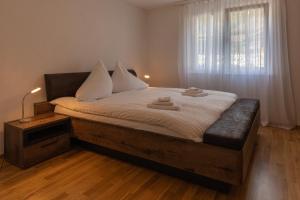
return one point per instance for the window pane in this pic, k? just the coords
(247, 38)
(233, 44)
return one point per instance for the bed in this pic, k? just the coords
(223, 152)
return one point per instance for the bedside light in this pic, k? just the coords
(23, 120)
(146, 76)
(35, 90)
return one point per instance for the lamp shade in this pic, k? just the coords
(35, 90)
(146, 76)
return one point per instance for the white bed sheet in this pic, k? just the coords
(119, 122)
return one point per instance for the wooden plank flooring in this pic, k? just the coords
(80, 174)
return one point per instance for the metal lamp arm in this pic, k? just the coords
(23, 100)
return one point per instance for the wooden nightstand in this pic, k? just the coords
(26, 144)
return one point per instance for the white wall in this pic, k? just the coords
(38, 37)
(163, 30)
(163, 46)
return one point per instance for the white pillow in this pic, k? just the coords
(98, 85)
(124, 80)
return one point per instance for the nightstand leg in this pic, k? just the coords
(2, 163)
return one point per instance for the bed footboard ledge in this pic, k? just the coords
(231, 130)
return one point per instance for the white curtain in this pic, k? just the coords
(239, 46)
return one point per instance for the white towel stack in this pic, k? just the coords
(194, 92)
(163, 103)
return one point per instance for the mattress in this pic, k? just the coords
(195, 116)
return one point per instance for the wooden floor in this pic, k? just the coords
(80, 174)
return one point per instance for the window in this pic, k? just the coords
(243, 36)
(247, 36)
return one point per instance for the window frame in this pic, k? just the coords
(227, 30)
(226, 55)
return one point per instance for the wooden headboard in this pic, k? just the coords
(66, 84)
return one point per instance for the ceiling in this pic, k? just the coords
(150, 4)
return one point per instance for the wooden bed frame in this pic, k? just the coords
(215, 162)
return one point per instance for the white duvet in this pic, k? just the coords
(195, 116)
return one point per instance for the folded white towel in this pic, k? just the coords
(193, 89)
(174, 108)
(164, 99)
(163, 103)
(194, 94)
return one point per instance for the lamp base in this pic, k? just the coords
(25, 120)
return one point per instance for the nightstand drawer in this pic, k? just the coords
(46, 149)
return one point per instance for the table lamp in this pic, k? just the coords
(23, 120)
(146, 76)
